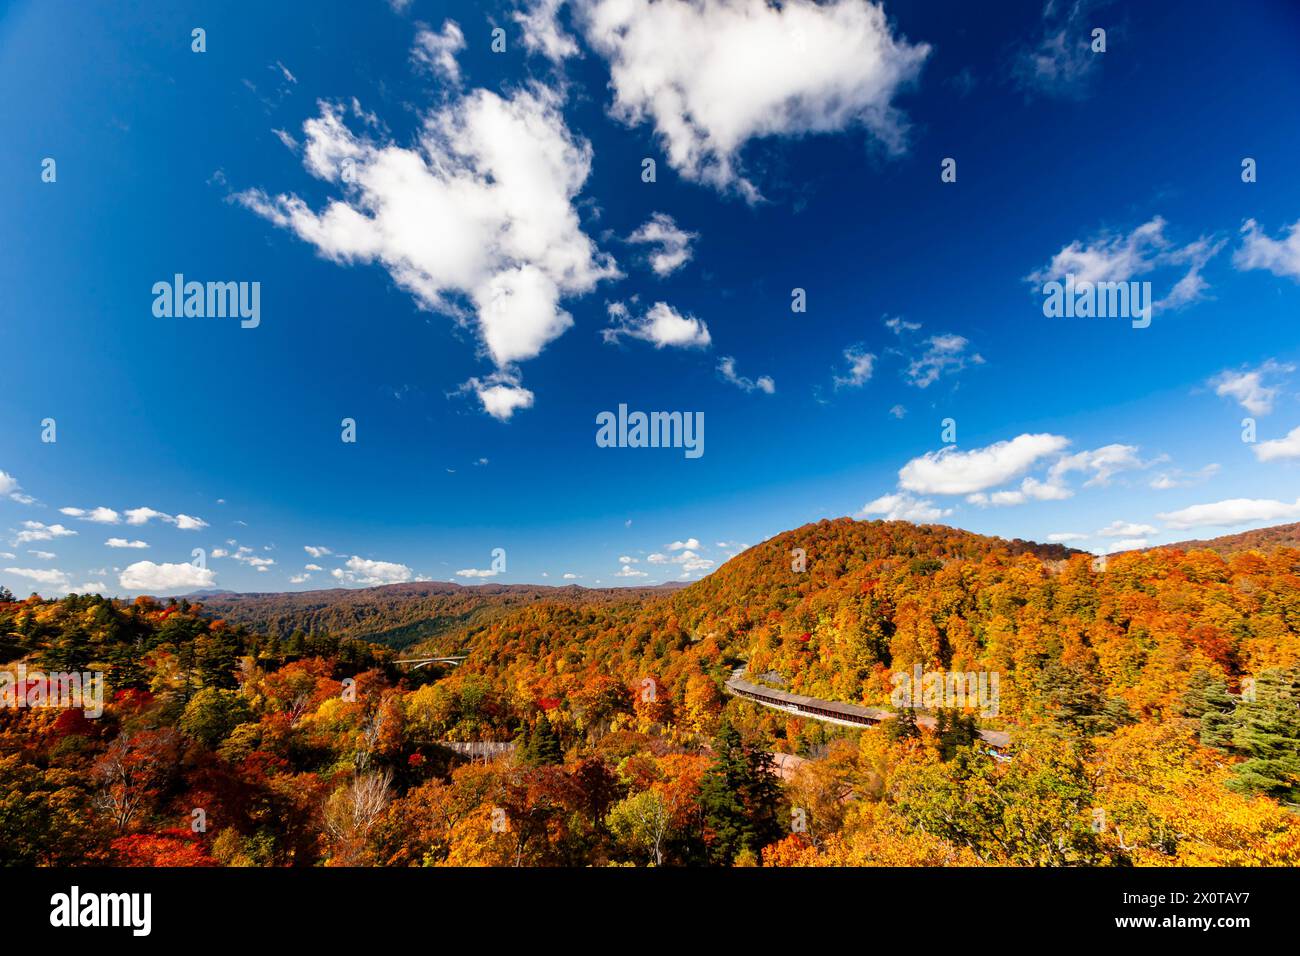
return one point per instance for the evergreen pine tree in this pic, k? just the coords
(1267, 732)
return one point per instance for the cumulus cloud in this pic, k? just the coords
(51, 577)
(685, 557)
(437, 51)
(952, 472)
(711, 75)
(672, 244)
(727, 369)
(1061, 537)
(542, 32)
(1031, 489)
(124, 543)
(363, 571)
(904, 507)
(37, 531)
(1232, 511)
(498, 176)
(316, 551)
(1259, 251)
(500, 394)
(147, 576)
(1103, 463)
(1279, 449)
(477, 573)
(1247, 386)
(662, 326)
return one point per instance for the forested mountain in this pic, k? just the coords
(1282, 535)
(395, 614)
(1152, 707)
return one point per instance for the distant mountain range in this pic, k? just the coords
(397, 615)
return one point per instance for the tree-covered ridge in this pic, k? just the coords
(396, 614)
(1154, 707)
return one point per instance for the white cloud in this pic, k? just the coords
(898, 411)
(498, 177)
(477, 573)
(358, 570)
(944, 354)
(952, 472)
(713, 74)
(542, 32)
(1279, 449)
(500, 395)
(124, 543)
(299, 578)
(1231, 512)
(627, 571)
(100, 515)
(1127, 544)
(688, 544)
(898, 325)
(1031, 489)
(903, 507)
(312, 567)
(9, 486)
(727, 369)
(1110, 257)
(147, 576)
(861, 364)
(36, 531)
(43, 555)
(1177, 478)
(1121, 529)
(570, 576)
(246, 556)
(1247, 386)
(316, 551)
(49, 576)
(662, 326)
(674, 243)
(140, 516)
(1259, 251)
(437, 51)
(1063, 536)
(1104, 463)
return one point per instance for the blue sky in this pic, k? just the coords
(471, 292)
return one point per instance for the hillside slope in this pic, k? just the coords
(397, 615)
